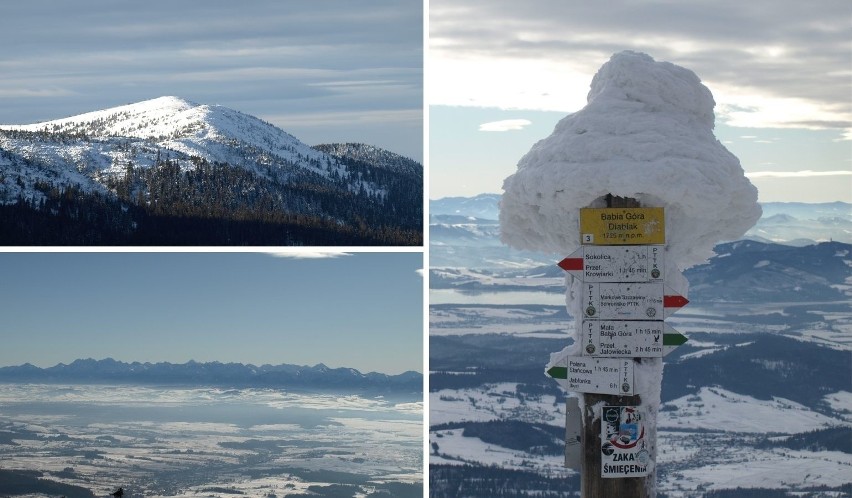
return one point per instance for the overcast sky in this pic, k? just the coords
(362, 310)
(502, 73)
(323, 71)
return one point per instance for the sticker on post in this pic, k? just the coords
(624, 442)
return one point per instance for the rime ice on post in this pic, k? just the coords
(647, 134)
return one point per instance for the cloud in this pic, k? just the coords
(421, 272)
(364, 57)
(505, 125)
(796, 174)
(303, 254)
(788, 64)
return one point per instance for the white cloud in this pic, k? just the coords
(796, 174)
(421, 272)
(767, 67)
(505, 125)
(302, 254)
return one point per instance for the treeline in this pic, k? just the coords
(450, 481)
(536, 439)
(809, 492)
(26, 482)
(829, 439)
(212, 204)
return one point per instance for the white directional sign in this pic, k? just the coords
(616, 263)
(582, 374)
(573, 434)
(630, 301)
(629, 338)
(625, 450)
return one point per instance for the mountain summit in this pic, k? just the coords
(170, 157)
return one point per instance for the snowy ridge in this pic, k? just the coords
(185, 127)
(216, 373)
(89, 149)
(376, 156)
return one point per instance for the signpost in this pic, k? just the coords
(630, 301)
(616, 264)
(594, 375)
(624, 225)
(573, 433)
(623, 303)
(629, 338)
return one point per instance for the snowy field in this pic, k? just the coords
(209, 442)
(707, 440)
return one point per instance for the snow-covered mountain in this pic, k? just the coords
(107, 140)
(212, 373)
(464, 231)
(93, 153)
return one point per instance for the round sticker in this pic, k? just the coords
(590, 311)
(607, 449)
(590, 348)
(651, 312)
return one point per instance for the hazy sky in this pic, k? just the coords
(323, 71)
(361, 310)
(502, 73)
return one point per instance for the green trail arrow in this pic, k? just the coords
(675, 339)
(558, 372)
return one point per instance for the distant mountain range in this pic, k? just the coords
(464, 232)
(172, 158)
(746, 271)
(214, 373)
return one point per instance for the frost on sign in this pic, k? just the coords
(629, 338)
(616, 263)
(624, 444)
(594, 375)
(629, 301)
(620, 226)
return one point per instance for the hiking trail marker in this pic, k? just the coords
(629, 338)
(630, 301)
(594, 375)
(616, 264)
(622, 226)
(623, 304)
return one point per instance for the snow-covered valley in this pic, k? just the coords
(172, 441)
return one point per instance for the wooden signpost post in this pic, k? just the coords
(623, 304)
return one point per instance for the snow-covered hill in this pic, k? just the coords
(103, 142)
(93, 153)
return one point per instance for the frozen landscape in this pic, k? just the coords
(149, 162)
(756, 403)
(88, 439)
(759, 397)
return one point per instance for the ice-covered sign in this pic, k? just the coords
(629, 301)
(646, 133)
(619, 226)
(594, 375)
(625, 449)
(573, 434)
(616, 263)
(629, 338)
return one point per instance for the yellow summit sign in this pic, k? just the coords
(622, 226)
